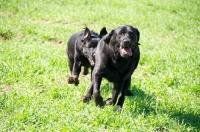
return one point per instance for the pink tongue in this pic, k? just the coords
(127, 51)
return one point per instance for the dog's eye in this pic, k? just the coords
(83, 41)
(131, 34)
(122, 32)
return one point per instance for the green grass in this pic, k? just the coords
(35, 96)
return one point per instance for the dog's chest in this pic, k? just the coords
(122, 67)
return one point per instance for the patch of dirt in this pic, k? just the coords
(19, 36)
(49, 22)
(6, 35)
(3, 37)
(58, 42)
(8, 14)
(6, 89)
(64, 22)
(46, 22)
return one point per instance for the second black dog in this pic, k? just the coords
(80, 50)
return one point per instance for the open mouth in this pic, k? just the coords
(125, 51)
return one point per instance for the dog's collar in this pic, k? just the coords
(94, 36)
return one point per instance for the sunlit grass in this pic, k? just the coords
(34, 94)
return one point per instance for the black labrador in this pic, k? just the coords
(80, 50)
(117, 56)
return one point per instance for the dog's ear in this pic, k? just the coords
(87, 34)
(108, 37)
(138, 36)
(103, 32)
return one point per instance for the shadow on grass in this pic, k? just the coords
(143, 102)
(146, 104)
(187, 118)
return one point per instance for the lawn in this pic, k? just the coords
(35, 96)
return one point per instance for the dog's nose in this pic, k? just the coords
(126, 41)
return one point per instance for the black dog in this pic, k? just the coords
(80, 50)
(117, 57)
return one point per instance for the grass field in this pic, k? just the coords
(35, 96)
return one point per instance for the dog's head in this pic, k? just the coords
(123, 39)
(89, 42)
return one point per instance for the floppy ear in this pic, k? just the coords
(138, 36)
(87, 34)
(108, 37)
(103, 32)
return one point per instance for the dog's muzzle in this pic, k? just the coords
(125, 48)
(125, 51)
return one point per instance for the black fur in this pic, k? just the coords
(80, 50)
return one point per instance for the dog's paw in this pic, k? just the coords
(73, 80)
(69, 81)
(99, 101)
(86, 99)
(129, 93)
(109, 101)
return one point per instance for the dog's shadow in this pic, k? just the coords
(146, 104)
(142, 103)
(187, 118)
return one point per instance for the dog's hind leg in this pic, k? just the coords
(122, 94)
(129, 93)
(88, 96)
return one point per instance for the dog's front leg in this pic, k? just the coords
(76, 68)
(122, 95)
(76, 71)
(115, 93)
(96, 89)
